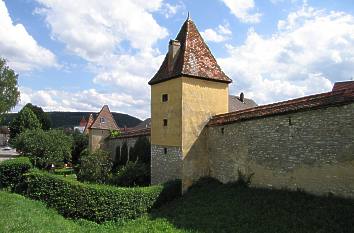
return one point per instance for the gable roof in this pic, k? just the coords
(235, 104)
(334, 98)
(194, 59)
(109, 123)
(89, 123)
(343, 85)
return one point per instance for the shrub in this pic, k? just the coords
(11, 172)
(96, 202)
(133, 174)
(243, 179)
(95, 167)
(44, 147)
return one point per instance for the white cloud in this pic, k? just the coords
(220, 34)
(20, 48)
(243, 10)
(95, 29)
(311, 50)
(87, 100)
(170, 10)
(116, 38)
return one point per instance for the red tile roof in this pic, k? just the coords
(89, 123)
(343, 85)
(334, 98)
(194, 59)
(109, 123)
(135, 133)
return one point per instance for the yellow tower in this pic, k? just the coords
(186, 91)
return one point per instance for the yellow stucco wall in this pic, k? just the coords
(171, 110)
(96, 138)
(201, 100)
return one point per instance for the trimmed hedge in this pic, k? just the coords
(97, 202)
(12, 170)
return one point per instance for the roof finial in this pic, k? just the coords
(188, 16)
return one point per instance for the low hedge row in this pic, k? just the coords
(12, 170)
(97, 202)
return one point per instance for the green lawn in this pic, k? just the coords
(205, 208)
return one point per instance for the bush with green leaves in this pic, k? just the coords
(95, 167)
(132, 174)
(114, 133)
(12, 170)
(44, 147)
(97, 202)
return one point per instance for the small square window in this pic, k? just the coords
(102, 120)
(165, 150)
(164, 122)
(164, 97)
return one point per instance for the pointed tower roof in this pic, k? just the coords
(192, 59)
(104, 120)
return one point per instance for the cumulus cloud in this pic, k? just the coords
(116, 38)
(311, 50)
(220, 34)
(94, 29)
(169, 10)
(243, 10)
(19, 47)
(86, 100)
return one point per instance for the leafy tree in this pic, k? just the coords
(44, 147)
(25, 119)
(80, 143)
(132, 174)
(124, 154)
(41, 115)
(9, 94)
(95, 167)
(141, 150)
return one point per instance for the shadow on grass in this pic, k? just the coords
(212, 207)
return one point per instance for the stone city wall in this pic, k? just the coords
(311, 150)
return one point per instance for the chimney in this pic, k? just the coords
(242, 97)
(173, 49)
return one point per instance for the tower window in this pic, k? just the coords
(102, 120)
(164, 97)
(164, 122)
(165, 150)
(222, 130)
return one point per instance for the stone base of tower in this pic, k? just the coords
(166, 163)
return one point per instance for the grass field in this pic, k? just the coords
(209, 207)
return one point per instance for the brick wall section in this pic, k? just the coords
(312, 150)
(165, 167)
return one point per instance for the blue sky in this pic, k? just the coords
(80, 55)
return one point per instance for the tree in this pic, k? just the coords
(41, 115)
(80, 143)
(25, 119)
(124, 154)
(95, 167)
(44, 147)
(141, 150)
(9, 94)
